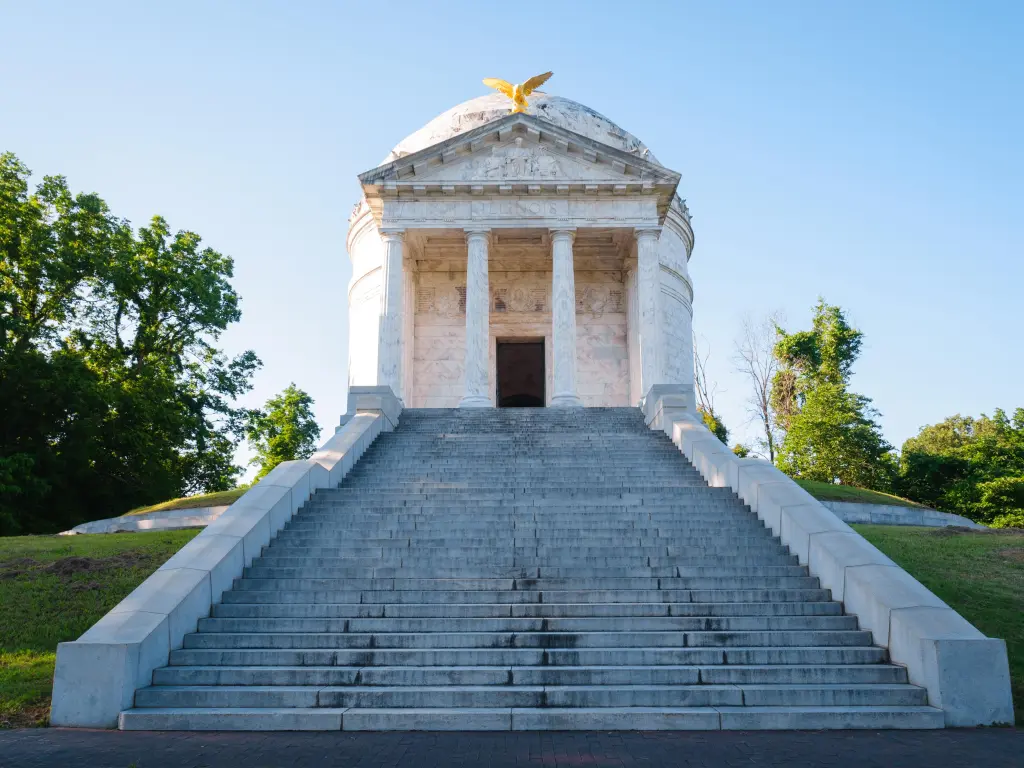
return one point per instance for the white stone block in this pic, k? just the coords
(967, 674)
(768, 499)
(714, 461)
(277, 501)
(223, 557)
(771, 498)
(800, 523)
(302, 477)
(250, 522)
(873, 591)
(751, 474)
(181, 594)
(375, 398)
(337, 454)
(665, 403)
(97, 675)
(831, 553)
(685, 432)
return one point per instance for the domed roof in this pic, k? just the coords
(564, 113)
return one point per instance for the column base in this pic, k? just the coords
(475, 401)
(566, 401)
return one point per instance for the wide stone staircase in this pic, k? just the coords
(527, 569)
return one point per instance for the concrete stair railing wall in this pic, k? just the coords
(96, 676)
(965, 673)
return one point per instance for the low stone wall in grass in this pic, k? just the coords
(165, 520)
(889, 514)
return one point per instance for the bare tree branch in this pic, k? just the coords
(705, 391)
(754, 358)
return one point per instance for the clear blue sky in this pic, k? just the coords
(868, 152)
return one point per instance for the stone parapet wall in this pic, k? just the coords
(966, 673)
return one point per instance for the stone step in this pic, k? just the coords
(560, 554)
(338, 555)
(477, 524)
(605, 695)
(515, 610)
(525, 567)
(420, 532)
(552, 533)
(284, 583)
(524, 624)
(330, 568)
(530, 596)
(529, 719)
(298, 567)
(467, 657)
(549, 639)
(609, 497)
(732, 674)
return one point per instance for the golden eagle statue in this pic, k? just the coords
(517, 93)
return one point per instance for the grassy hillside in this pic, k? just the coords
(980, 574)
(192, 502)
(52, 589)
(830, 492)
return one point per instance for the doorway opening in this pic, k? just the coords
(520, 373)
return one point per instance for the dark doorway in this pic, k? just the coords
(520, 372)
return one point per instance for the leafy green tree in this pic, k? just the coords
(833, 439)
(971, 466)
(283, 431)
(713, 422)
(830, 433)
(112, 391)
(741, 450)
(1002, 498)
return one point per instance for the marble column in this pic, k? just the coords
(563, 320)
(632, 332)
(478, 303)
(389, 351)
(648, 286)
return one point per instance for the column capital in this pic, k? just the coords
(562, 232)
(648, 231)
(392, 233)
(473, 232)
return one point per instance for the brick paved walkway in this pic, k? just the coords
(991, 748)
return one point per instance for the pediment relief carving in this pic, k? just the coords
(520, 160)
(519, 148)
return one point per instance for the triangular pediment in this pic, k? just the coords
(523, 151)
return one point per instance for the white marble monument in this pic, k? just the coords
(554, 229)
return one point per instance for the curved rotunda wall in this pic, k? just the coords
(366, 251)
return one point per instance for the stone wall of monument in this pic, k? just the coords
(520, 307)
(366, 250)
(675, 304)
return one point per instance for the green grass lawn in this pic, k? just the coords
(192, 502)
(52, 589)
(830, 492)
(981, 575)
